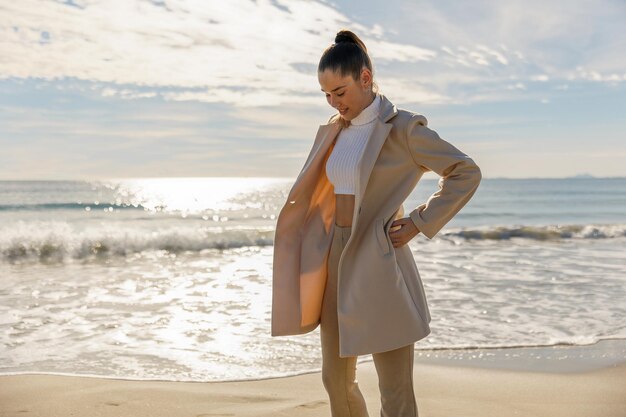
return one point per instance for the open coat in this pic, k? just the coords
(380, 296)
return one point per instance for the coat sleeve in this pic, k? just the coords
(459, 174)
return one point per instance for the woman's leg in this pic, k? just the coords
(395, 380)
(338, 374)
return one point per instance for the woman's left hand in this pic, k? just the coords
(405, 233)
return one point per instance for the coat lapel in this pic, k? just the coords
(366, 164)
(374, 144)
(324, 139)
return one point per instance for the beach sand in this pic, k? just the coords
(505, 382)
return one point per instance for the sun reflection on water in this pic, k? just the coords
(191, 195)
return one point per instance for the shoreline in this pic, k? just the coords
(543, 385)
(603, 354)
(563, 358)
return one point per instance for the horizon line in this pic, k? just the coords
(579, 176)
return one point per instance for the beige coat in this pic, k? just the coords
(380, 297)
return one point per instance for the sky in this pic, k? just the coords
(95, 89)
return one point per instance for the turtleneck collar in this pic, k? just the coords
(368, 114)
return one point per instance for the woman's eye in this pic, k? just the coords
(339, 95)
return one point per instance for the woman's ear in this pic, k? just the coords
(366, 78)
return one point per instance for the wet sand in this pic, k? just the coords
(585, 381)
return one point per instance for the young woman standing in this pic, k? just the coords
(337, 261)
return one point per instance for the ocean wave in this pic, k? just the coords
(59, 241)
(68, 206)
(549, 232)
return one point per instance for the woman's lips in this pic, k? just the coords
(343, 111)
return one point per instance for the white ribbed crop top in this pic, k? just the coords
(342, 163)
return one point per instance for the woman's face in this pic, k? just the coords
(345, 94)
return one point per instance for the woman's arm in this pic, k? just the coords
(459, 174)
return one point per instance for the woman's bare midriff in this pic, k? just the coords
(344, 208)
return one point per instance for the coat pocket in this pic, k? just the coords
(381, 237)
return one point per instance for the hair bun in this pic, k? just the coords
(342, 37)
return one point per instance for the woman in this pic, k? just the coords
(337, 263)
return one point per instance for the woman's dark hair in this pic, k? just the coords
(348, 55)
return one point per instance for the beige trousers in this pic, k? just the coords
(394, 367)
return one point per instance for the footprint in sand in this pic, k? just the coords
(312, 404)
(215, 415)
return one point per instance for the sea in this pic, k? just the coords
(171, 278)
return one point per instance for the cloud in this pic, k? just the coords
(237, 52)
(484, 44)
(264, 53)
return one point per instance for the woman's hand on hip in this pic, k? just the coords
(405, 233)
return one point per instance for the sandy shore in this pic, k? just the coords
(462, 390)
